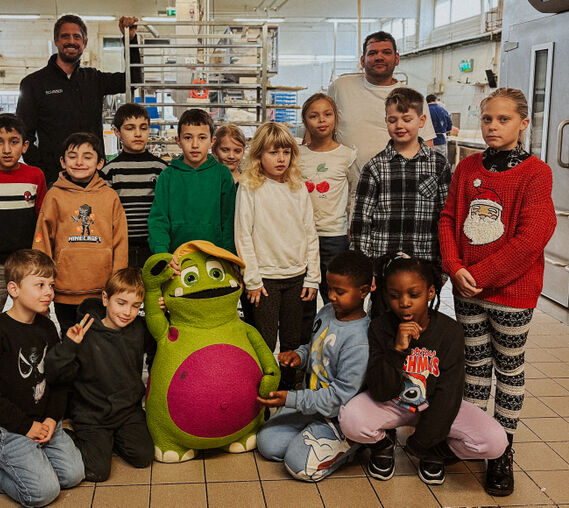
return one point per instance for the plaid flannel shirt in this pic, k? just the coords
(398, 203)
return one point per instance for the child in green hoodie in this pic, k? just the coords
(195, 194)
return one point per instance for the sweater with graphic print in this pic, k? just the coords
(334, 362)
(427, 378)
(328, 179)
(25, 396)
(21, 195)
(496, 225)
(192, 204)
(84, 231)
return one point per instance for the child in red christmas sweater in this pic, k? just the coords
(496, 222)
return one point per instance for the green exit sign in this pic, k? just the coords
(466, 65)
(170, 11)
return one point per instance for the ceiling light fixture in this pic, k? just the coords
(259, 20)
(19, 16)
(351, 20)
(158, 19)
(98, 18)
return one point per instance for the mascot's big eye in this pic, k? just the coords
(215, 270)
(190, 276)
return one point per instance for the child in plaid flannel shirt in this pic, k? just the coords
(402, 190)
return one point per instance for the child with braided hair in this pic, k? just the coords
(415, 376)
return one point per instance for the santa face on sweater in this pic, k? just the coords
(484, 224)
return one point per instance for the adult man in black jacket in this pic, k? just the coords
(64, 97)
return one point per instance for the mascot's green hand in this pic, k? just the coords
(269, 383)
(157, 270)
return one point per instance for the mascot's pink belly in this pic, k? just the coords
(213, 392)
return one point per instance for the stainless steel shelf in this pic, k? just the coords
(199, 86)
(212, 60)
(195, 46)
(240, 105)
(228, 67)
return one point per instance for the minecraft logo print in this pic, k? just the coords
(85, 218)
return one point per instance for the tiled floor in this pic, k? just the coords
(248, 480)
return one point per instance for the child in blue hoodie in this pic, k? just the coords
(305, 433)
(195, 194)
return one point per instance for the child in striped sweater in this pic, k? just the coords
(133, 175)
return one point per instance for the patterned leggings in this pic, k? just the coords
(495, 337)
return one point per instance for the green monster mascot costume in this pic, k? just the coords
(209, 365)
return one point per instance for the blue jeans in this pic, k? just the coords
(311, 446)
(32, 474)
(329, 247)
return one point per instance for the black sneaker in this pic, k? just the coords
(381, 465)
(500, 474)
(440, 452)
(432, 473)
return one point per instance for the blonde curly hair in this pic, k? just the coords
(269, 136)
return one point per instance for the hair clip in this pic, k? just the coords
(398, 255)
(401, 255)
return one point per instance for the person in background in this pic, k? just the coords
(361, 98)
(442, 123)
(22, 189)
(229, 148)
(133, 175)
(64, 97)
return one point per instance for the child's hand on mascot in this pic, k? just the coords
(175, 266)
(289, 359)
(276, 399)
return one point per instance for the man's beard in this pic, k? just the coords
(68, 59)
(482, 230)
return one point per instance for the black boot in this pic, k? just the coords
(381, 463)
(500, 472)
